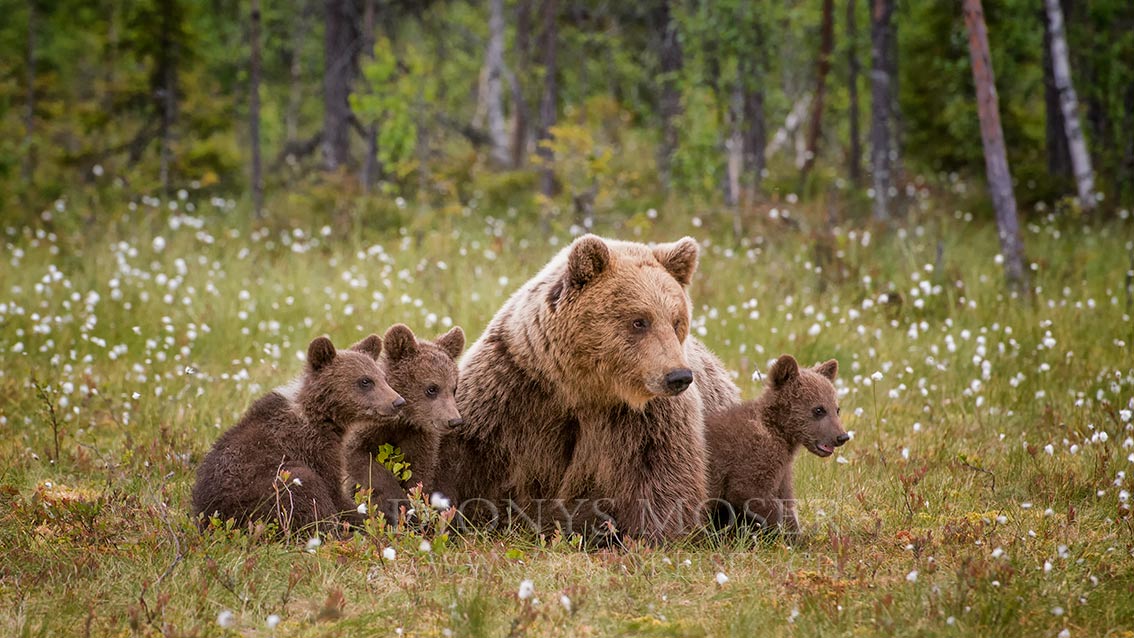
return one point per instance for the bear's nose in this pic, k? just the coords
(399, 402)
(677, 380)
(842, 438)
(457, 422)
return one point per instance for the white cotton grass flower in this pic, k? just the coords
(439, 501)
(425, 546)
(1066, 633)
(998, 553)
(912, 576)
(272, 621)
(527, 589)
(226, 618)
(566, 602)
(313, 544)
(389, 553)
(793, 615)
(721, 578)
(362, 509)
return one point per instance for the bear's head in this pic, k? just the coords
(425, 373)
(619, 316)
(805, 405)
(344, 386)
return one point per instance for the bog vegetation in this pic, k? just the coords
(156, 279)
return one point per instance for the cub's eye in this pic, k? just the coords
(640, 325)
(432, 391)
(819, 411)
(838, 410)
(365, 383)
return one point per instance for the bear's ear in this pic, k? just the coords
(679, 258)
(320, 353)
(829, 369)
(783, 370)
(400, 342)
(589, 257)
(371, 345)
(452, 342)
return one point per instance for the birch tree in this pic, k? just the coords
(992, 137)
(1061, 68)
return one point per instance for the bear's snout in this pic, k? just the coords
(676, 381)
(456, 422)
(842, 438)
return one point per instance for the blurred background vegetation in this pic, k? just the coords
(567, 111)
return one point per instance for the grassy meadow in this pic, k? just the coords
(986, 490)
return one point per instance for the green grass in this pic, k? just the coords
(937, 519)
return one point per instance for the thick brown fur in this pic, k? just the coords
(752, 445)
(425, 373)
(296, 431)
(565, 395)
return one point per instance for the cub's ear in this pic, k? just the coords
(679, 258)
(320, 353)
(783, 370)
(452, 342)
(371, 345)
(400, 342)
(589, 257)
(829, 369)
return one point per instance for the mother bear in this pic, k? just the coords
(583, 401)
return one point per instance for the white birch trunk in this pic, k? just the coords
(1069, 103)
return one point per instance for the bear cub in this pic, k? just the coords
(283, 461)
(751, 445)
(425, 373)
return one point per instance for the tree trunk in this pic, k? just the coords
(167, 70)
(734, 151)
(891, 61)
(28, 167)
(295, 72)
(1061, 71)
(669, 101)
(1058, 155)
(340, 65)
(880, 16)
(995, 156)
(254, 108)
(822, 68)
(549, 102)
(521, 116)
(370, 159)
(755, 135)
(494, 86)
(855, 161)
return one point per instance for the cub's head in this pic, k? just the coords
(806, 404)
(342, 386)
(618, 318)
(425, 373)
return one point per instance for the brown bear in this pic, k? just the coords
(584, 398)
(425, 374)
(283, 460)
(752, 445)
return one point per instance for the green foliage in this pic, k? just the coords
(392, 459)
(389, 101)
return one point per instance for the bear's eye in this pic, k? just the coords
(432, 391)
(838, 410)
(819, 411)
(640, 325)
(365, 383)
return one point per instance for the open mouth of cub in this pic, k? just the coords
(824, 449)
